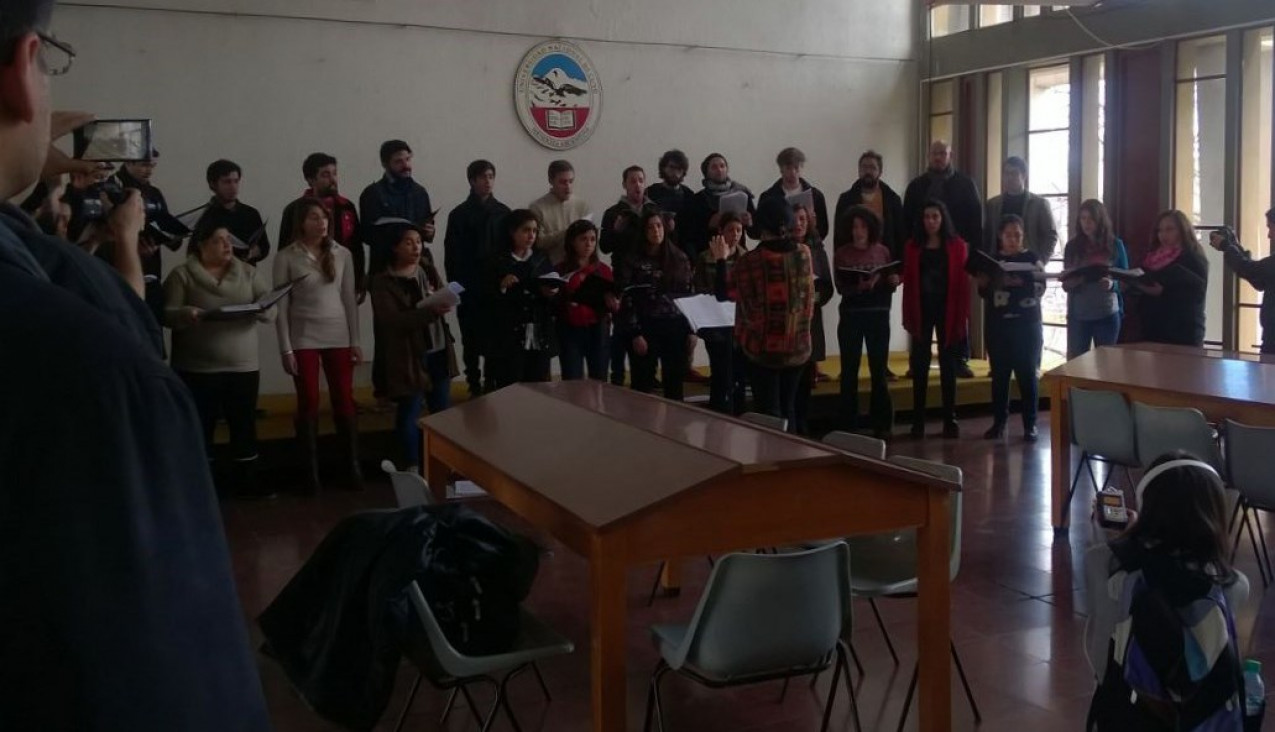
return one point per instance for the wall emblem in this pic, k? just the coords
(558, 95)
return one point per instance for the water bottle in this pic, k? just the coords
(1254, 690)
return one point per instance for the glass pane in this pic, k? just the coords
(1048, 154)
(1093, 127)
(1255, 166)
(1050, 98)
(1199, 170)
(995, 127)
(942, 97)
(1202, 57)
(994, 15)
(948, 19)
(1250, 330)
(942, 127)
(1031, 11)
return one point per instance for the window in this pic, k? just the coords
(948, 19)
(1030, 11)
(1199, 156)
(1093, 127)
(1255, 170)
(1049, 157)
(942, 110)
(989, 15)
(995, 128)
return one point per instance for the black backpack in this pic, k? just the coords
(474, 576)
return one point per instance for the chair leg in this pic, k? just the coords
(1075, 479)
(857, 664)
(1247, 523)
(469, 701)
(842, 647)
(495, 705)
(907, 701)
(1261, 537)
(539, 677)
(960, 670)
(504, 696)
(872, 602)
(402, 717)
(655, 586)
(832, 692)
(655, 692)
(447, 709)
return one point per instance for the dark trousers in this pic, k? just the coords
(619, 351)
(519, 366)
(801, 399)
(856, 330)
(666, 348)
(1014, 348)
(1100, 332)
(775, 391)
(728, 371)
(231, 396)
(1268, 347)
(473, 341)
(582, 349)
(436, 399)
(378, 363)
(932, 330)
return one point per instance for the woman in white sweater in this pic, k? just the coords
(217, 358)
(318, 324)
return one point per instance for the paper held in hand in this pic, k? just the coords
(448, 297)
(805, 199)
(252, 309)
(706, 311)
(733, 202)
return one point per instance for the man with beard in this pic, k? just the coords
(872, 193)
(320, 173)
(669, 193)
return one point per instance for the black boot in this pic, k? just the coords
(307, 440)
(347, 431)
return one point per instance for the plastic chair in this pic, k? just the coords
(770, 421)
(1165, 429)
(410, 489)
(886, 566)
(448, 669)
(856, 444)
(1102, 427)
(1248, 461)
(762, 617)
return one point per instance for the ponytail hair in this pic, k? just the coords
(327, 258)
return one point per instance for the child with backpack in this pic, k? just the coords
(1172, 661)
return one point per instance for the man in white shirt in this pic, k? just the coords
(558, 209)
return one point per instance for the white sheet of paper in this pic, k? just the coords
(1019, 267)
(467, 489)
(446, 297)
(705, 311)
(733, 202)
(804, 198)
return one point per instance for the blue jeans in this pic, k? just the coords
(584, 347)
(1014, 348)
(1100, 332)
(437, 398)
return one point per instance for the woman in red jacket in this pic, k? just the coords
(936, 301)
(585, 316)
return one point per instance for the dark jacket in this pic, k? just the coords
(821, 204)
(655, 282)
(244, 222)
(152, 265)
(1259, 273)
(472, 230)
(630, 235)
(955, 189)
(404, 331)
(345, 231)
(522, 304)
(119, 609)
(956, 308)
(896, 228)
(824, 289)
(386, 198)
(693, 230)
(1040, 233)
(1176, 316)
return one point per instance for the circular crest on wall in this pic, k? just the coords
(558, 95)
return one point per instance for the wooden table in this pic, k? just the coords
(1221, 384)
(624, 478)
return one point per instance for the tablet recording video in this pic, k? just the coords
(114, 141)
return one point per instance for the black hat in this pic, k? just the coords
(774, 215)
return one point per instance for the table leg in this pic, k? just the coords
(436, 473)
(1060, 452)
(610, 686)
(671, 577)
(934, 602)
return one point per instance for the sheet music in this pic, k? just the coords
(706, 311)
(733, 202)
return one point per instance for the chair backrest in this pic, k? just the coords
(766, 420)
(856, 444)
(952, 474)
(1102, 424)
(1248, 462)
(410, 489)
(437, 659)
(1165, 429)
(769, 612)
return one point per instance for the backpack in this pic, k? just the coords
(1172, 663)
(474, 576)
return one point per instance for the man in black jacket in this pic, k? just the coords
(473, 229)
(251, 243)
(669, 193)
(872, 192)
(943, 182)
(791, 161)
(138, 176)
(119, 609)
(1260, 273)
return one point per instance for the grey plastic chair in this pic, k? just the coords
(856, 444)
(885, 565)
(1165, 429)
(1248, 461)
(448, 669)
(762, 617)
(1102, 427)
(410, 489)
(779, 424)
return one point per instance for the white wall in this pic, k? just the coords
(267, 87)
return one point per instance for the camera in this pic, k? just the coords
(91, 207)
